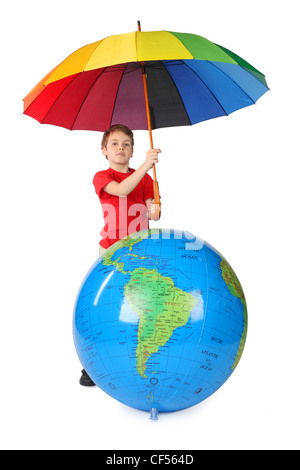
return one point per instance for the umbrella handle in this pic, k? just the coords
(157, 207)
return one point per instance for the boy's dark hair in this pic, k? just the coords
(117, 127)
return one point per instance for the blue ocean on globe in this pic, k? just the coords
(160, 321)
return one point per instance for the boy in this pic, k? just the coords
(126, 195)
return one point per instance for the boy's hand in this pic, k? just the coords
(152, 157)
(153, 209)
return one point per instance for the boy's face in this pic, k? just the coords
(118, 149)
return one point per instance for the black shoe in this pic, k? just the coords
(85, 380)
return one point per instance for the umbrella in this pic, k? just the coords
(145, 80)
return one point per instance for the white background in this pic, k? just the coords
(232, 181)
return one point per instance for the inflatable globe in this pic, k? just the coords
(160, 322)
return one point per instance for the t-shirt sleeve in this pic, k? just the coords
(148, 187)
(101, 179)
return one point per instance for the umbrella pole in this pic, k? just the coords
(155, 183)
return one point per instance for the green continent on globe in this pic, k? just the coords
(235, 288)
(161, 307)
(128, 242)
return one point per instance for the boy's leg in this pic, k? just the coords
(85, 380)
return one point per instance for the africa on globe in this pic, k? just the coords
(160, 321)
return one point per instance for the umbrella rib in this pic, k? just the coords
(208, 89)
(176, 88)
(55, 101)
(83, 101)
(91, 54)
(116, 96)
(233, 80)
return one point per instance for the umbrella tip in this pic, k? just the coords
(139, 25)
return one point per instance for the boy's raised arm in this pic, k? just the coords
(129, 184)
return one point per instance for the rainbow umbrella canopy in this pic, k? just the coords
(145, 80)
(189, 79)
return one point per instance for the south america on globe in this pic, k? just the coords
(160, 321)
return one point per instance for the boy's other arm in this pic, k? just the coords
(152, 214)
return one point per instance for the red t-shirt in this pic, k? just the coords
(122, 215)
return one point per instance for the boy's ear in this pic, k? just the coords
(104, 151)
